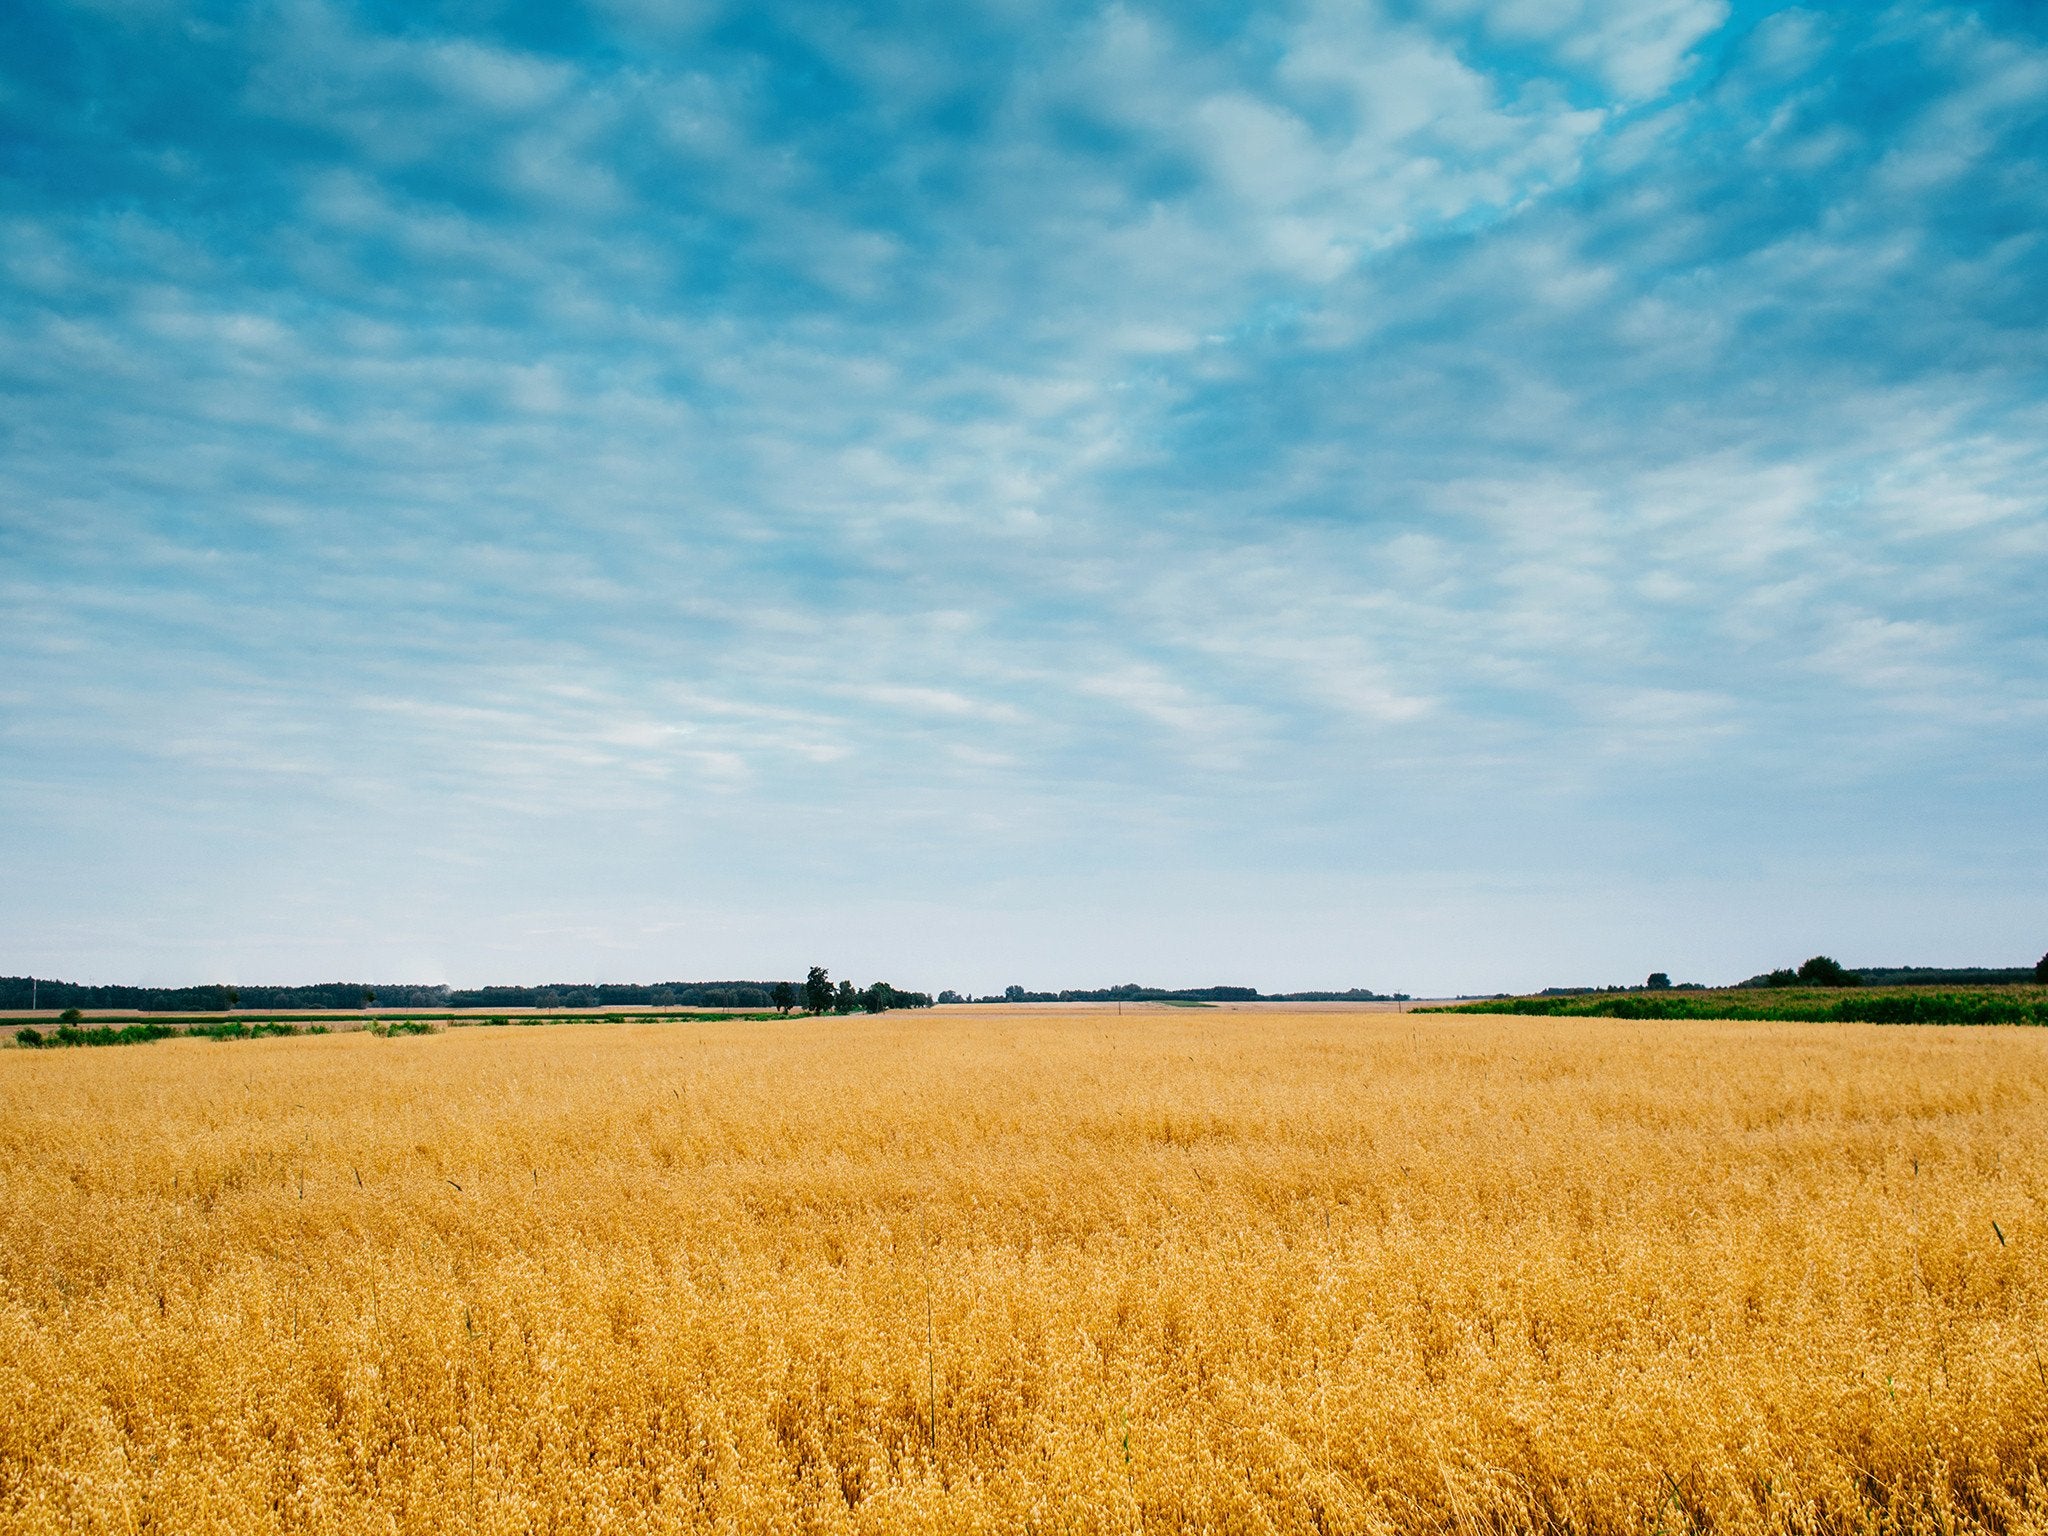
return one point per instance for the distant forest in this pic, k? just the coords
(1820, 971)
(16, 992)
(1928, 976)
(20, 992)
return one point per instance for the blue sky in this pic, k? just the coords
(1431, 495)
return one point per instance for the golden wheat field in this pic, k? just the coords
(995, 1270)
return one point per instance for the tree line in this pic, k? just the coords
(817, 994)
(1826, 971)
(1132, 992)
(1822, 971)
(24, 992)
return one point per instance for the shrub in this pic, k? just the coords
(106, 1034)
(70, 1016)
(1821, 971)
(142, 1034)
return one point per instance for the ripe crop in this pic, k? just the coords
(1004, 1271)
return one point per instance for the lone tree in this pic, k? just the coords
(1658, 982)
(817, 991)
(783, 996)
(2041, 971)
(1820, 971)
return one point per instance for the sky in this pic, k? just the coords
(1438, 496)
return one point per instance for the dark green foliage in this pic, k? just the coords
(235, 1029)
(142, 1034)
(70, 1016)
(820, 996)
(817, 991)
(1820, 971)
(1946, 976)
(2041, 971)
(881, 997)
(1658, 982)
(783, 996)
(1918, 976)
(23, 992)
(1891, 1006)
(104, 1034)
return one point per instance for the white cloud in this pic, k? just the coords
(1224, 437)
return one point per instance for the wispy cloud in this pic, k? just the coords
(710, 446)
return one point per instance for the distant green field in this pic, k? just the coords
(1815, 1005)
(99, 1030)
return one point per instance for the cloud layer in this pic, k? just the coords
(1424, 495)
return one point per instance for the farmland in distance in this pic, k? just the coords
(1049, 1269)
